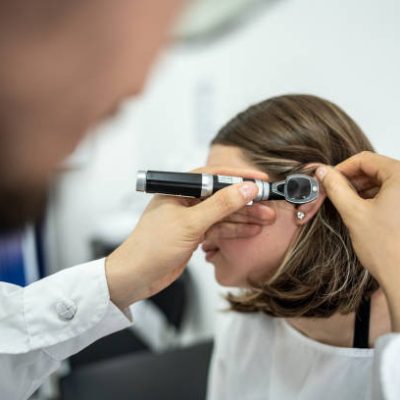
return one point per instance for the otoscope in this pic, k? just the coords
(296, 188)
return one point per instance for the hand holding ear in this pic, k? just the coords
(373, 222)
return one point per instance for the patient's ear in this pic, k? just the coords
(306, 212)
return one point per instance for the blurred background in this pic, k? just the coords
(225, 55)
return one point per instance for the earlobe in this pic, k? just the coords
(306, 212)
(300, 215)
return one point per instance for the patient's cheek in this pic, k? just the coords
(246, 254)
(255, 259)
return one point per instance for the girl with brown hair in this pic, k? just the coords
(307, 313)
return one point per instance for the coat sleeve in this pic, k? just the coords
(48, 321)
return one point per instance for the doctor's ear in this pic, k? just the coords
(306, 212)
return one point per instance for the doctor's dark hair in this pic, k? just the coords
(320, 273)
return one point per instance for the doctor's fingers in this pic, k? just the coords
(366, 187)
(367, 167)
(221, 204)
(231, 230)
(256, 214)
(342, 194)
(369, 173)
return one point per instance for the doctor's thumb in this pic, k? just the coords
(340, 191)
(223, 203)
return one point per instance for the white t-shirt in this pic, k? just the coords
(259, 357)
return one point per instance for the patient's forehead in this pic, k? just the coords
(227, 156)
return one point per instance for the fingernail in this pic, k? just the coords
(248, 190)
(321, 172)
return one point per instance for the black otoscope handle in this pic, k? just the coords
(174, 183)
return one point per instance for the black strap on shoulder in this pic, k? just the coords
(361, 325)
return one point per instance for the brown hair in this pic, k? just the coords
(320, 273)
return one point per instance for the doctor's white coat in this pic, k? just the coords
(50, 320)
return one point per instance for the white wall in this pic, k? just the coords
(344, 50)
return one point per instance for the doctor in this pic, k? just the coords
(65, 66)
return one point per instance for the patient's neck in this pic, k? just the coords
(338, 330)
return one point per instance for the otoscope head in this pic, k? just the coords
(300, 189)
(296, 189)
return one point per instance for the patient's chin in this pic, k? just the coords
(227, 278)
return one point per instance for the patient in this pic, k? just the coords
(305, 319)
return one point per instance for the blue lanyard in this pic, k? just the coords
(12, 267)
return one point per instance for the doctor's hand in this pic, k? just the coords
(167, 234)
(369, 207)
(245, 223)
